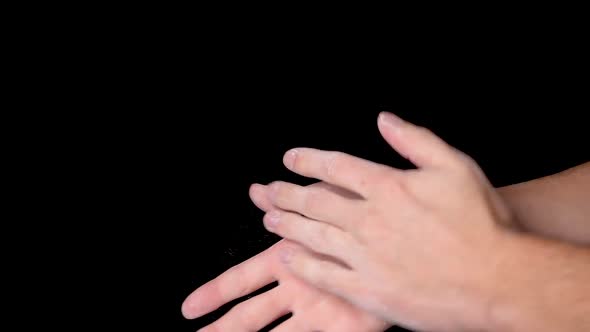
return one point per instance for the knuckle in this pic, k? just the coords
(311, 199)
(423, 131)
(309, 268)
(318, 235)
(333, 162)
(281, 192)
(464, 158)
(466, 164)
(274, 187)
(330, 238)
(314, 235)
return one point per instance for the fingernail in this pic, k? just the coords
(286, 255)
(272, 219)
(289, 158)
(390, 119)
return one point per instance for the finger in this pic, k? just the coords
(337, 168)
(236, 282)
(335, 190)
(417, 144)
(253, 314)
(317, 236)
(320, 273)
(317, 203)
(258, 193)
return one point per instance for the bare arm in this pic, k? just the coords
(544, 276)
(545, 286)
(555, 206)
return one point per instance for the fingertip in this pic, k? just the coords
(271, 219)
(258, 196)
(187, 309)
(391, 120)
(201, 302)
(254, 189)
(289, 158)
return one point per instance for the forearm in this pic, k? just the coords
(544, 286)
(556, 206)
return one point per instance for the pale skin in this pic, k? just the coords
(312, 309)
(478, 283)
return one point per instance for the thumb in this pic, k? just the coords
(417, 144)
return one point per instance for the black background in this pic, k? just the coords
(138, 130)
(192, 167)
(174, 128)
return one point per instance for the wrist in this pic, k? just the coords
(491, 304)
(487, 304)
(523, 285)
(503, 286)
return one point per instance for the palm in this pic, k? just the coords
(312, 308)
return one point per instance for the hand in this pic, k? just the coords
(421, 246)
(312, 309)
